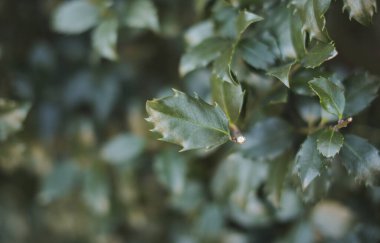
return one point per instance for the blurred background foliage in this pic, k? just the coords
(75, 76)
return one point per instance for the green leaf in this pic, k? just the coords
(256, 53)
(282, 73)
(298, 35)
(361, 10)
(329, 142)
(96, 191)
(199, 32)
(264, 143)
(59, 181)
(330, 95)
(228, 96)
(75, 17)
(278, 170)
(104, 39)
(201, 55)
(188, 121)
(361, 90)
(309, 109)
(171, 169)
(361, 159)
(244, 20)
(12, 116)
(236, 177)
(142, 14)
(312, 15)
(309, 161)
(318, 54)
(122, 149)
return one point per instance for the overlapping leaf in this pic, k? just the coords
(361, 90)
(309, 161)
(268, 139)
(330, 95)
(229, 97)
(361, 159)
(361, 10)
(188, 121)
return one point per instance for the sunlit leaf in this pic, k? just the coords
(104, 39)
(361, 10)
(75, 17)
(122, 149)
(141, 14)
(188, 121)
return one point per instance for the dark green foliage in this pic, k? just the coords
(278, 126)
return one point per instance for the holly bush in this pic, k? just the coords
(273, 105)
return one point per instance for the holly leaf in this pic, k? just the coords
(318, 54)
(244, 20)
(256, 53)
(312, 15)
(75, 17)
(229, 97)
(104, 39)
(361, 159)
(361, 10)
(282, 73)
(188, 121)
(309, 161)
(361, 90)
(201, 55)
(330, 95)
(329, 142)
(142, 14)
(264, 143)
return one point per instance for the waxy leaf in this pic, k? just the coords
(361, 10)
(201, 55)
(75, 17)
(228, 96)
(361, 90)
(188, 121)
(309, 161)
(330, 95)
(256, 53)
(268, 139)
(318, 54)
(244, 20)
(361, 159)
(282, 73)
(312, 15)
(329, 142)
(104, 39)
(142, 14)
